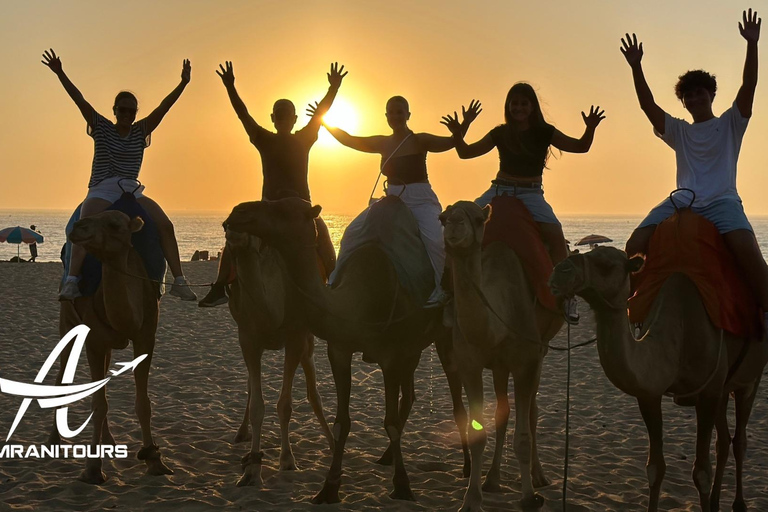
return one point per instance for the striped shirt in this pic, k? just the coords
(114, 155)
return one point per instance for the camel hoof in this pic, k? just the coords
(329, 494)
(54, 438)
(243, 436)
(491, 485)
(386, 459)
(93, 476)
(288, 464)
(739, 506)
(540, 481)
(251, 476)
(472, 507)
(532, 502)
(402, 493)
(156, 467)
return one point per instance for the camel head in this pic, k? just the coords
(106, 234)
(463, 226)
(599, 276)
(289, 221)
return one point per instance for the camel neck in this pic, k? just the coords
(472, 314)
(123, 294)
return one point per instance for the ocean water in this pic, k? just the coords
(202, 230)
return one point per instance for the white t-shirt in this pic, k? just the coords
(707, 154)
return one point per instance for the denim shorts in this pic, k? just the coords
(532, 198)
(726, 214)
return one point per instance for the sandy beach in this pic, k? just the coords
(197, 386)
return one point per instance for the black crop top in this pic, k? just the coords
(526, 156)
(402, 170)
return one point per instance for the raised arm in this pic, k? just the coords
(750, 30)
(634, 55)
(51, 60)
(153, 119)
(335, 76)
(227, 75)
(458, 130)
(375, 144)
(582, 145)
(437, 144)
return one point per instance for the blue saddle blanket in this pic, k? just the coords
(146, 241)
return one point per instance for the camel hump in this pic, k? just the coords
(392, 227)
(145, 241)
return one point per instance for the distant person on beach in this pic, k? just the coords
(284, 163)
(33, 245)
(706, 152)
(404, 163)
(118, 153)
(524, 144)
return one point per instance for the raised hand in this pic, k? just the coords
(336, 75)
(470, 113)
(186, 71)
(595, 116)
(452, 123)
(750, 26)
(51, 60)
(226, 73)
(312, 108)
(632, 52)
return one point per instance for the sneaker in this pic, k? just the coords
(571, 307)
(70, 291)
(180, 289)
(215, 297)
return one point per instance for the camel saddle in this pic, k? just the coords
(146, 241)
(512, 224)
(688, 243)
(391, 226)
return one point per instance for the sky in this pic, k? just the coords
(438, 54)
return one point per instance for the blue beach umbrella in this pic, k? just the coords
(17, 235)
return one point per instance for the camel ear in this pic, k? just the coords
(487, 212)
(135, 224)
(635, 263)
(314, 212)
(444, 215)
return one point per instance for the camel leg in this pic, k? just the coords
(251, 462)
(54, 437)
(293, 352)
(149, 453)
(723, 445)
(706, 412)
(393, 382)
(244, 432)
(92, 474)
(500, 387)
(473, 384)
(744, 399)
(655, 468)
(404, 410)
(525, 378)
(315, 400)
(341, 365)
(443, 346)
(537, 472)
(106, 434)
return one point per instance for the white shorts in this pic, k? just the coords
(111, 189)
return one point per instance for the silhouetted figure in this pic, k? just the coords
(33, 245)
(524, 144)
(118, 153)
(284, 162)
(404, 163)
(707, 153)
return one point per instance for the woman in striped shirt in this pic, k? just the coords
(118, 153)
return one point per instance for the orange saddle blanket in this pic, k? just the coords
(512, 223)
(688, 243)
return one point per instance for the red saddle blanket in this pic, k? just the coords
(688, 243)
(512, 223)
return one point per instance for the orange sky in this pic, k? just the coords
(438, 54)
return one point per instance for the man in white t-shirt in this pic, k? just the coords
(706, 152)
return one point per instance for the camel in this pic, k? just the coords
(680, 352)
(269, 316)
(366, 310)
(497, 325)
(125, 307)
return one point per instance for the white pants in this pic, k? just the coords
(423, 203)
(110, 189)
